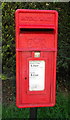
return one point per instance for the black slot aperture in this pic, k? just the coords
(36, 29)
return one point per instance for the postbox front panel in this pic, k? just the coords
(36, 51)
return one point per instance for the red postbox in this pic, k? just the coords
(36, 52)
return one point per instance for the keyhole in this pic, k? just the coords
(25, 78)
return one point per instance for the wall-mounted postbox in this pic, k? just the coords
(36, 51)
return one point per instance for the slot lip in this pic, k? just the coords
(37, 27)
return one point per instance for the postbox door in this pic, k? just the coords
(36, 96)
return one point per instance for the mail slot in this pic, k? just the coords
(36, 52)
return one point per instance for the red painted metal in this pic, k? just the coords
(36, 30)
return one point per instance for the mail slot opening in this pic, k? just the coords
(22, 30)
